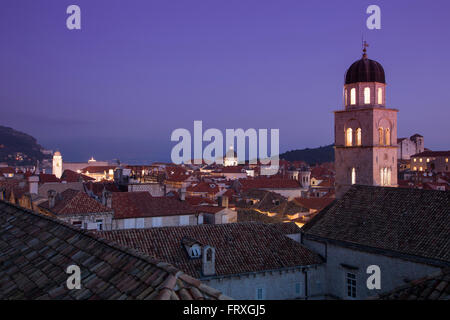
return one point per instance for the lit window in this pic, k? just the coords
(351, 285)
(446, 159)
(353, 96)
(349, 137)
(428, 159)
(380, 96)
(388, 137)
(353, 175)
(420, 169)
(415, 160)
(358, 136)
(380, 136)
(415, 168)
(345, 97)
(366, 95)
(420, 160)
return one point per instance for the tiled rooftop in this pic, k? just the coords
(411, 222)
(240, 247)
(35, 251)
(433, 287)
(142, 204)
(71, 202)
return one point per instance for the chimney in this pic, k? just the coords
(107, 198)
(33, 183)
(183, 194)
(51, 198)
(208, 261)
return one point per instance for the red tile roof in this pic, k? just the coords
(72, 202)
(35, 251)
(233, 169)
(98, 169)
(46, 177)
(268, 183)
(16, 186)
(204, 187)
(433, 287)
(194, 201)
(240, 247)
(432, 154)
(209, 209)
(142, 204)
(7, 170)
(314, 203)
(97, 187)
(411, 222)
(72, 176)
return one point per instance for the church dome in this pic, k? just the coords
(365, 70)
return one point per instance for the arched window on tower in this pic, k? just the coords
(367, 95)
(353, 175)
(380, 96)
(380, 136)
(349, 137)
(353, 96)
(388, 137)
(358, 136)
(345, 97)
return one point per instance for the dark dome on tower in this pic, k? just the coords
(365, 70)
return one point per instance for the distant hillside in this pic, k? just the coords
(310, 156)
(18, 148)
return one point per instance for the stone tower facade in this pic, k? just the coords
(365, 130)
(57, 164)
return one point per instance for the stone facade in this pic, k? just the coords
(272, 285)
(410, 146)
(365, 138)
(152, 222)
(341, 260)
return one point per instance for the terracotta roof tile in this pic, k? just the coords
(27, 271)
(142, 204)
(412, 222)
(433, 287)
(71, 202)
(240, 247)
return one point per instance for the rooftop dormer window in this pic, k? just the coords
(192, 247)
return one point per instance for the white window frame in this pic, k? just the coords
(139, 223)
(129, 223)
(260, 294)
(184, 220)
(350, 285)
(156, 222)
(100, 224)
(224, 218)
(298, 288)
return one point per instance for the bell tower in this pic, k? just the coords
(365, 131)
(57, 164)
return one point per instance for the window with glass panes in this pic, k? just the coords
(351, 285)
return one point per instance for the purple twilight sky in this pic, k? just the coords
(139, 69)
